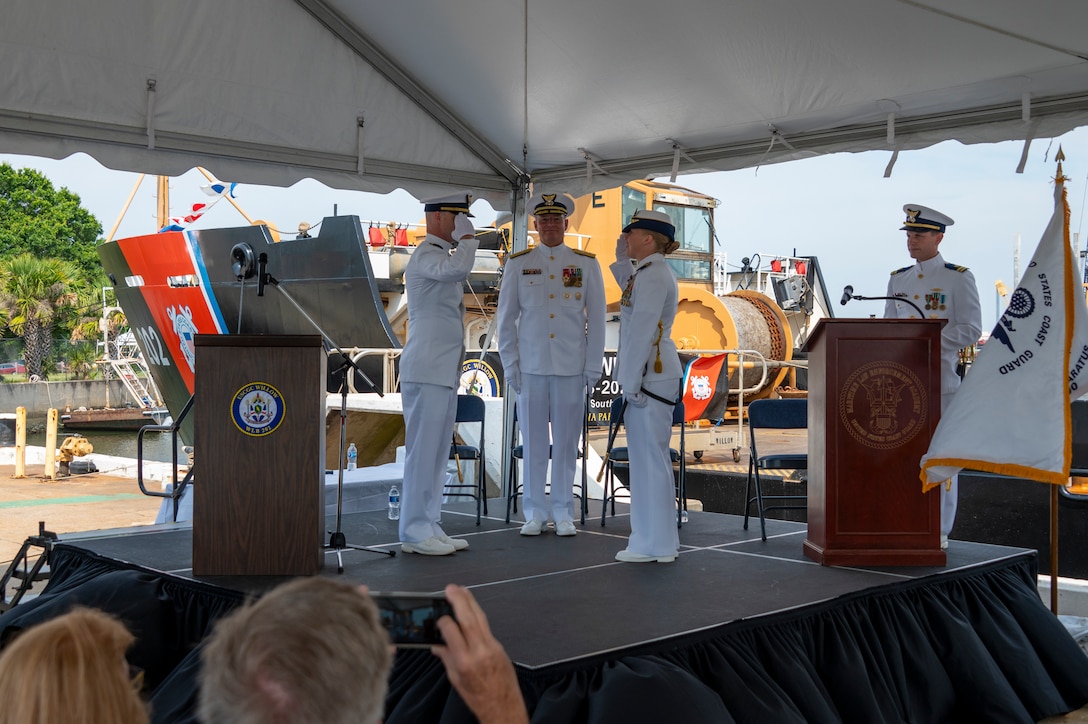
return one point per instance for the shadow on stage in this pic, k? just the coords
(735, 630)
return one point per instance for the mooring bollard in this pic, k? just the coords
(51, 418)
(20, 442)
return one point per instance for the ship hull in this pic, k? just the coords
(175, 285)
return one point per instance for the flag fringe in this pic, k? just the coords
(1008, 469)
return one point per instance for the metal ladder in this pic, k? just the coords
(142, 389)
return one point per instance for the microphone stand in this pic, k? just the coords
(894, 299)
(337, 539)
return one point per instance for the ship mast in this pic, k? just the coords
(162, 201)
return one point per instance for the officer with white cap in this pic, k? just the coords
(649, 370)
(430, 367)
(943, 291)
(551, 342)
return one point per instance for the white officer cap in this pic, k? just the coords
(657, 221)
(458, 203)
(552, 204)
(923, 218)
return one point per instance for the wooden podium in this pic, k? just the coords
(874, 402)
(259, 438)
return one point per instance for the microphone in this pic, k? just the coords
(262, 275)
(848, 294)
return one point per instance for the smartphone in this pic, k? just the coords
(411, 618)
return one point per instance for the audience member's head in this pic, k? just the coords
(312, 650)
(71, 668)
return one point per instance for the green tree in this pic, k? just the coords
(33, 293)
(81, 359)
(35, 218)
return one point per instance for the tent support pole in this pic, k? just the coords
(1054, 549)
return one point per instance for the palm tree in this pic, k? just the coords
(33, 292)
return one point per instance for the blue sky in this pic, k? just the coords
(837, 207)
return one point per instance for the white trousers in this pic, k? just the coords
(429, 412)
(950, 492)
(653, 487)
(556, 404)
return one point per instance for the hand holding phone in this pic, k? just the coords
(412, 618)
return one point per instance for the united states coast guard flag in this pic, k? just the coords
(1011, 414)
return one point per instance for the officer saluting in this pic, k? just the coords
(430, 367)
(649, 371)
(551, 341)
(942, 291)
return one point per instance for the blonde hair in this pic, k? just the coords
(70, 669)
(311, 650)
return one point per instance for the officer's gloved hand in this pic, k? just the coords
(513, 378)
(591, 378)
(462, 227)
(621, 246)
(636, 398)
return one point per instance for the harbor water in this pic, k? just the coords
(156, 447)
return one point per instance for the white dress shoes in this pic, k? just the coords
(459, 544)
(565, 528)
(626, 556)
(430, 547)
(533, 527)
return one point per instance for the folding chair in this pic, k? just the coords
(470, 408)
(517, 453)
(1078, 463)
(786, 414)
(617, 456)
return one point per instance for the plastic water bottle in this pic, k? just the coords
(394, 503)
(353, 457)
(684, 515)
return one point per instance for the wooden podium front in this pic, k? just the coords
(874, 402)
(259, 439)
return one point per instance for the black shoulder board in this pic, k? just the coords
(515, 255)
(900, 271)
(590, 254)
(956, 267)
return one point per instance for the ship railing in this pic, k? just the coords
(177, 489)
(761, 272)
(740, 359)
(389, 381)
(720, 274)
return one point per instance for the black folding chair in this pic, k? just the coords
(785, 414)
(517, 453)
(618, 456)
(470, 408)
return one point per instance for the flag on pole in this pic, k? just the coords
(217, 189)
(1011, 415)
(706, 387)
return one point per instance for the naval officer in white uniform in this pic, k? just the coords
(942, 291)
(551, 342)
(649, 371)
(430, 367)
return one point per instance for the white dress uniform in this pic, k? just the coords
(647, 310)
(430, 368)
(551, 330)
(942, 291)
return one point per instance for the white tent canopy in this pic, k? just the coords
(488, 94)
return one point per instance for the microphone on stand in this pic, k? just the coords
(848, 294)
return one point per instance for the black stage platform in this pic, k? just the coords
(735, 630)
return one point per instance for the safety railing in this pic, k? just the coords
(177, 489)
